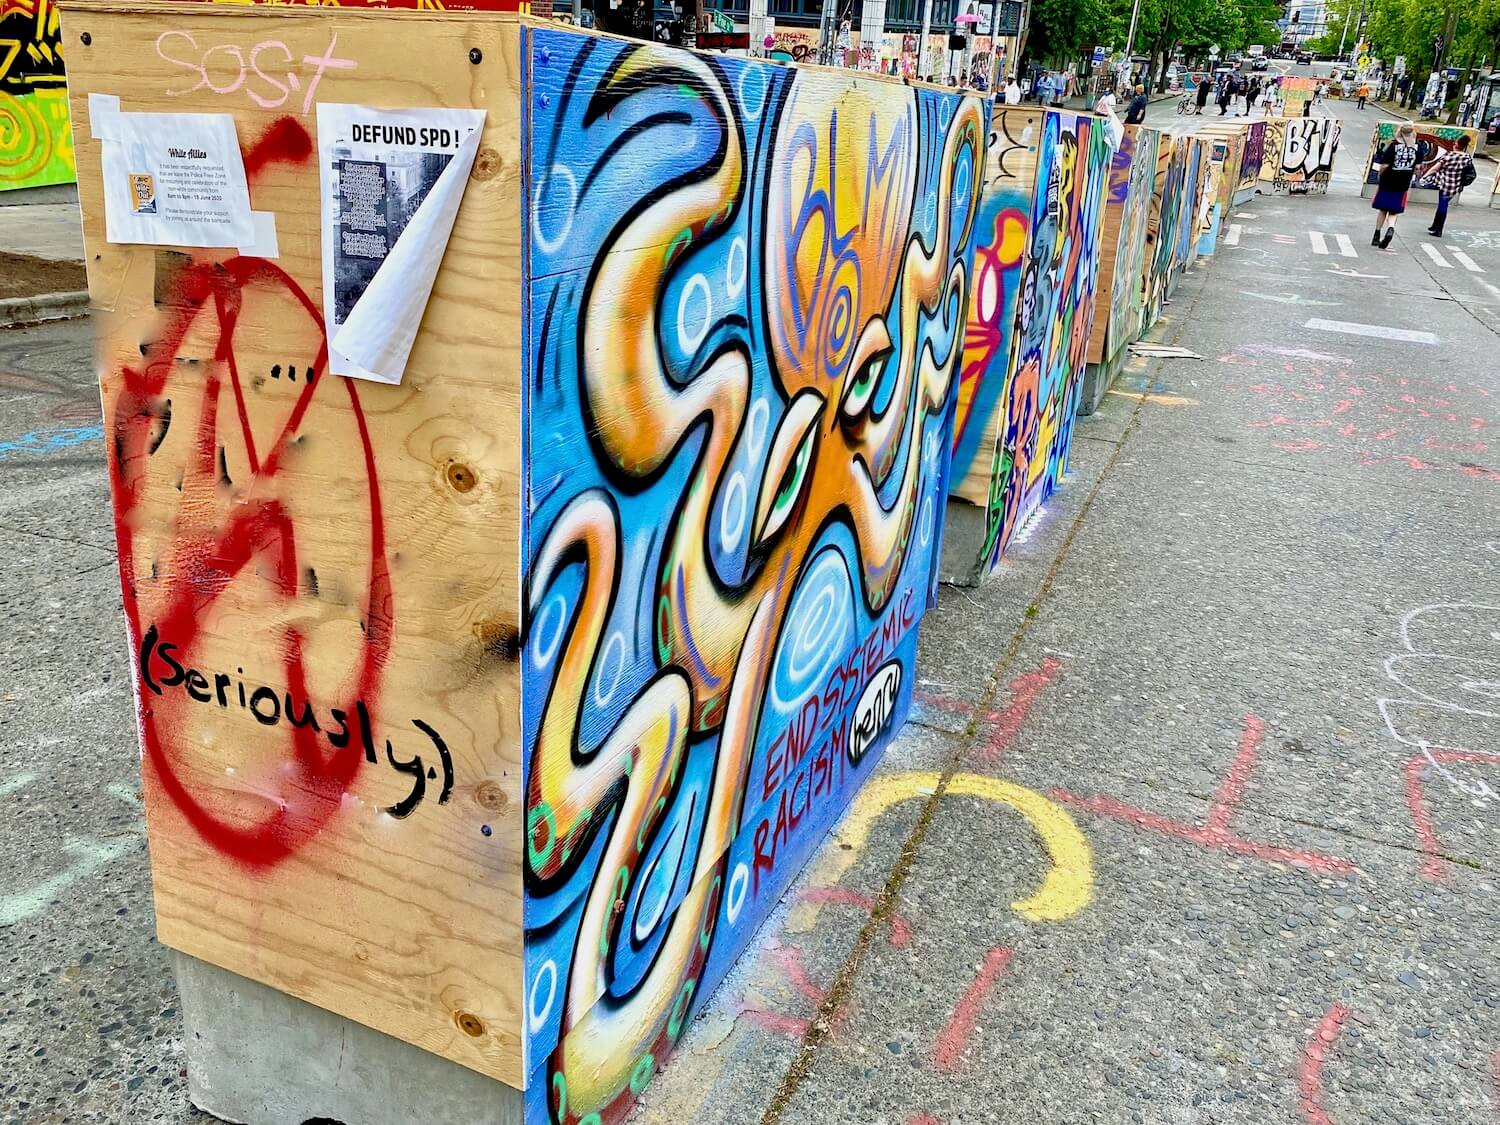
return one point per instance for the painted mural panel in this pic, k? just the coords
(1162, 232)
(1432, 139)
(36, 142)
(1053, 321)
(1123, 242)
(745, 313)
(999, 258)
(1251, 160)
(1300, 153)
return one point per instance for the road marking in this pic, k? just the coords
(1356, 273)
(1437, 258)
(1467, 262)
(1346, 248)
(1319, 243)
(1379, 331)
(1233, 237)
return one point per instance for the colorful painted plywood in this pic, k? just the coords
(36, 143)
(999, 259)
(1054, 319)
(747, 285)
(1251, 161)
(1122, 242)
(1300, 153)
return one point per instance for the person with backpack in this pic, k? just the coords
(1450, 173)
(1395, 164)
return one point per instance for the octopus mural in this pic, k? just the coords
(744, 315)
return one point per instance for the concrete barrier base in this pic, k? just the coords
(963, 541)
(256, 1056)
(1097, 379)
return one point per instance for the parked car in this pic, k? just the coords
(1304, 58)
(1261, 63)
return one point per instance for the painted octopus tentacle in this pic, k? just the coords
(607, 1047)
(885, 534)
(641, 415)
(566, 792)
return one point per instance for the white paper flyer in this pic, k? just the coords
(392, 183)
(171, 179)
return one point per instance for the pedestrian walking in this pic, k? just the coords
(1205, 87)
(1364, 94)
(1012, 92)
(1450, 173)
(1135, 112)
(1226, 95)
(1395, 165)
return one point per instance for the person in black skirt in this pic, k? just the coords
(1395, 164)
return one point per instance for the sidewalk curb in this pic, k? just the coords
(16, 311)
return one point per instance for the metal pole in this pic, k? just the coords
(922, 42)
(1135, 15)
(1344, 32)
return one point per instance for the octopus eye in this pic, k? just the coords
(870, 356)
(788, 464)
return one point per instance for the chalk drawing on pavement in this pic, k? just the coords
(50, 441)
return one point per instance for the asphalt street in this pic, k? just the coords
(1167, 840)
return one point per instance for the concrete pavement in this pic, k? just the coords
(1162, 844)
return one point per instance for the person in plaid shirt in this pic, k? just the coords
(1450, 173)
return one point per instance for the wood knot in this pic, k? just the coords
(461, 477)
(470, 1024)
(501, 639)
(490, 796)
(486, 164)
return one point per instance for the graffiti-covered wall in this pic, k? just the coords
(1122, 242)
(1251, 160)
(999, 259)
(1031, 315)
(744, 314)
(36, 144)
(1164, 223)
(1299, 154)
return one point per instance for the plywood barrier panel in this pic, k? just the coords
(1495, 189)
(1432, 141)
(1299, 154)
(36, 144)
(321, 576)
(1251, 160)
(1122, 240)
(1163, 228)
(1053, 320)
(999, 260)
(1128, 289)
(745, 314)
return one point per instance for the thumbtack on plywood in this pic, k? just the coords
(476, 56)
(85, 38)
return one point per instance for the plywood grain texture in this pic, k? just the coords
(340, 553)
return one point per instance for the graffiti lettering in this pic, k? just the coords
(877, 707)
(240, 70)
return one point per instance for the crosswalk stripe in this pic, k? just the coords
(1467, 262)
(1319, 243)
(1233, 237)
(1346, 248)
(1437, 259)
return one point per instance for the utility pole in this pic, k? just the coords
(1135, 15)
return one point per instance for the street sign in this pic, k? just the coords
(1098, 55)
(1453, 74)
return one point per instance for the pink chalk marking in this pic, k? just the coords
(1215, 832)
(1273, 420)
(1348, 429)
(900, 935)
(1433, 867)
(922, 1119)
(1300, 445)
(1024, 690)
(776, 1023)
(1343, 406)
(951, 1044)
(1314, 1055)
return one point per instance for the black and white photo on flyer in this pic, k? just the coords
(392, 182)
